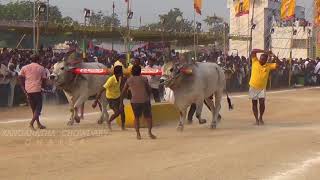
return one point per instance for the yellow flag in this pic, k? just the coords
(198, 6)
(242, 7)
(317, 13)
(288, 8)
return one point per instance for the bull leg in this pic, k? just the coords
(199, 112)
(104, 111)
(71, 121)
(210, 105)
(183, 114)
(81, 100)
(76, 116)
(72, 110)
(215, 113)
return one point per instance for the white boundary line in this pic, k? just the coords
(299, 169)
(277, 92)
(235, 96)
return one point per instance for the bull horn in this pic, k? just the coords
(187, 71)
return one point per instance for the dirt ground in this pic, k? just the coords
(287, 147)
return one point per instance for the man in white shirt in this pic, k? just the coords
(154, 81)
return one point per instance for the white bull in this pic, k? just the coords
(78, 88)
(196, 83)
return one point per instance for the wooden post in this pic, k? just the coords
(38, 33)
(251, 32)
(290, 59)
(194, 35)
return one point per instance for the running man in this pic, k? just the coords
(140, 100)
(113, 92)
(33, 79)
(258, 82)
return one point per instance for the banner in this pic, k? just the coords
(198, 6)
(288, 8)
(317, 12)
(242, 7)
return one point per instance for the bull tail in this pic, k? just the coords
(229, 102)
(228, 98)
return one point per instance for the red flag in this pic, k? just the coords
(127, 1)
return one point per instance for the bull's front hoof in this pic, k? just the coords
(202, 121)
(77, 119)
(70, 123)
(219, 118)
(180, 128)
(213, 126)
(100, 121)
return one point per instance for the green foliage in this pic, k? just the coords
(100, 19)
(215, 23)
(168, 22)
(23, 10)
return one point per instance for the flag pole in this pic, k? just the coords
(112, 24)
(251, 31)
(128, 33)
(290, 58)
(194, 35)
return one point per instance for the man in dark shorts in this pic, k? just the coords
(32, 79)
(140, 101)
(113, 92)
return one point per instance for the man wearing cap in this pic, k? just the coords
(32, 79)
(258, 82)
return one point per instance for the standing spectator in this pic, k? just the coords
(258, 83)
(33, 77)
(140, 100)
(154, 81)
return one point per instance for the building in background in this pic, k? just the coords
(269, 32)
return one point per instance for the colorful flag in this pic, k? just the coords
(317, 13)
(198, 6)
(242, 7)
(127, 1)
(288, 8)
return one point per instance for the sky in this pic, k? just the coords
(148, 9)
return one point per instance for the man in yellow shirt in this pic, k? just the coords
(113, 92)
(258, 82)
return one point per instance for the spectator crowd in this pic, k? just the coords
(237, 70)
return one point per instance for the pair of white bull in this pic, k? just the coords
(196, 87)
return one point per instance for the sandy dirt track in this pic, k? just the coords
(288, 147)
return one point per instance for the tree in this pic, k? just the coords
(109, 20)
(168, 22)
(100, 19)
(23, 10)
(215, 23)
(69, 21)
